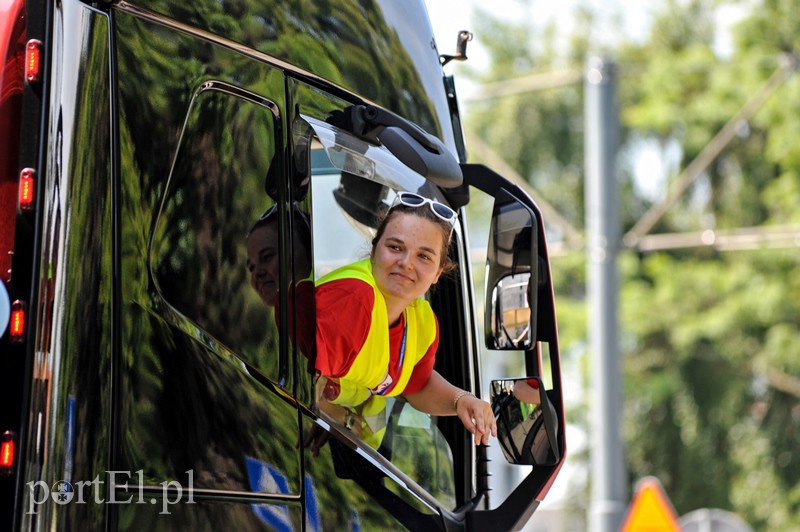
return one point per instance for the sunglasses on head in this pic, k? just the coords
(442, 211)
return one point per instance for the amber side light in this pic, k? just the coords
(27, 182)
(8, 446)
(33, 61)
(16, 325)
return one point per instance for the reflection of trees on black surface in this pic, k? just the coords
(185, 404)
(80, 276)
(214, 414)
(215, 191)
(345, 41)
(181, 392)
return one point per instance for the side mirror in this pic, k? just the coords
(512, 276)
(527, 424)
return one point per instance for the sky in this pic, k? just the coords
(651, 164)
(448, 17)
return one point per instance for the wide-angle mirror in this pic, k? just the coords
(527, 425)
(511, 278)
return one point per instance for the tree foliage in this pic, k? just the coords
(708, 338)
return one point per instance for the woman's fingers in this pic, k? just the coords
(486, 424)
(316, 438)
(478, 418)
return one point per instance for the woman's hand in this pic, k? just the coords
(440, 398)
(316, 439)
(477, 416)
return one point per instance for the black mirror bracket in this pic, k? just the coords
(368, 121)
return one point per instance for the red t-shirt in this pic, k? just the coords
(344, 316)
(301, 300)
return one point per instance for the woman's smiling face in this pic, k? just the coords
(407, 259)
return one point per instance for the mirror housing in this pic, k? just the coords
(513, 512)
(527, 424)
(512, 276)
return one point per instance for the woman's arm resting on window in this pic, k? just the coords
(440, 398)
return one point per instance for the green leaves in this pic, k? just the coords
(709, 339)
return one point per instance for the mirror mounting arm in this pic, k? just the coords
(368, 121)
(464, 37)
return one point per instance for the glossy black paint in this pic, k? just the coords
(382, 50)
(69, 387)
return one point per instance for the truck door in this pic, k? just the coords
(203, 394)
(356, 481)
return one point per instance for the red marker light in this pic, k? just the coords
(33, 56)
(26, 189)
(16, 325)
(7, 454)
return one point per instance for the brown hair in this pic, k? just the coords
(447, 263)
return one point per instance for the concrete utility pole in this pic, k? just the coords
(609, 493)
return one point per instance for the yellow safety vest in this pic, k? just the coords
(371, 364)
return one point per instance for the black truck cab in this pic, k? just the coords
(155, 379)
